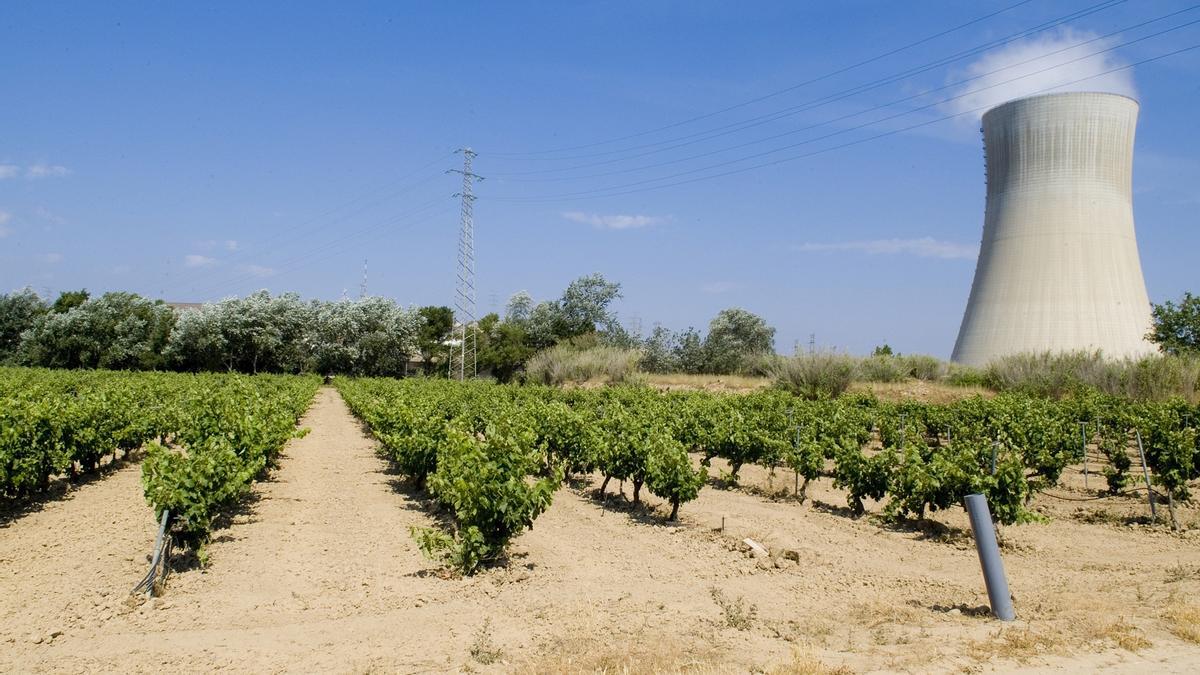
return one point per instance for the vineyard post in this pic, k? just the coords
(989, 557)
(1083, 432)
(795, 444)
(1146, 475)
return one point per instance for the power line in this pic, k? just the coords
(785, 90)
(889, 104)
(814, 103)
(320, 222)
(301, 262)
(316, 253)
(603, 192)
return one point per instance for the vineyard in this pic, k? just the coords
(206, 437)
(493, 455)
(510, 527)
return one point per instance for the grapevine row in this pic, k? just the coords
(913, 458)
(207, 437)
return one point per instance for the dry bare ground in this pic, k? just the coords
(319, 573)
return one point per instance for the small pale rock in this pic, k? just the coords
(756, 549)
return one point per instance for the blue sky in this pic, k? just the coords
(190, 152)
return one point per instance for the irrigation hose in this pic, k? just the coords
(1092, 499)
(159, 559)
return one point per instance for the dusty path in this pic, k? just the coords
(73, 558)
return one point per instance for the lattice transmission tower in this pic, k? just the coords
(462, 361)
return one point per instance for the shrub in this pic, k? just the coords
(1154, 377)
(758, 364)
(880, 368)
(964, 376)
(564, 363)
(1045, 373)
(923, 367)
(816, 375)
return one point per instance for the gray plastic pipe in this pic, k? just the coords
(989, 557)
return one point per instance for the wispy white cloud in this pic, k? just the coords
(923, 247)
(38, 170)
(258, 270)
(197, 260)
(1041, 65)
(613, 222)
(5, 216)
(231, 245)
(717, 287)
(43, 170)
(50, 258)
(48, 216)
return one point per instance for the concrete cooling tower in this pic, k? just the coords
(1058, 264)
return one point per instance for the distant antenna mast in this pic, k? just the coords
(462, 362)
(362, 289)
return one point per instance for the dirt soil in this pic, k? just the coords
(318, 573)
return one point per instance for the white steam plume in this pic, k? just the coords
(1041, 68)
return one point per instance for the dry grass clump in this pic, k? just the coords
(1018, 644)
(807, 664)
(889, 368)
(877, 613)
(922, 367)
(1021, 644)
(688, 381)
(1184, 620)
(735, 612)
(880, 368)
(483, 649)
(1181, 572)
(816, 375)
(1122, 634)
(1155, 377)
(642, 654)
(563, 363)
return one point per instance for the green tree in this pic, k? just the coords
(1177, 327)
(68, 300)
(584, 307)
(518, 308)
(502, 347)
(116, 331)
(658, 351)
(19, 312)
(688, 351)
(437, 324)
(733, 335)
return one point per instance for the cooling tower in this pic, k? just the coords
(1058, 263)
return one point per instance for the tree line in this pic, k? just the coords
(369, 336)
(378, 337)
(257, 333)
